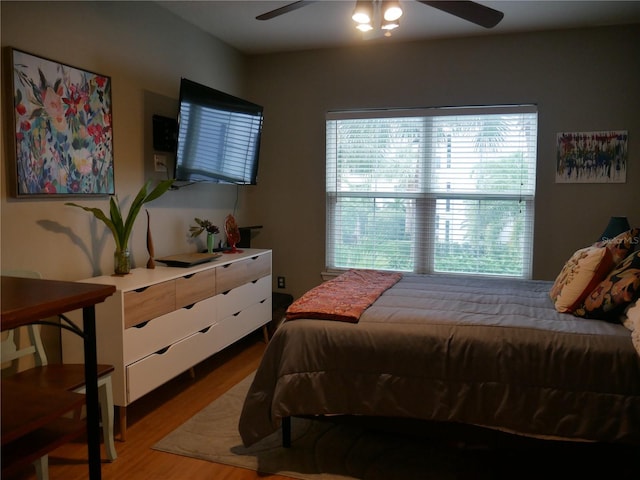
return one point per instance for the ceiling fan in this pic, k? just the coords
(467, 10)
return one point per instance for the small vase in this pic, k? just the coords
(122, 262)
(210, 241)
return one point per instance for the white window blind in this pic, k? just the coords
(432, 190)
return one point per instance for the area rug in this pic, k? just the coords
(323, 450)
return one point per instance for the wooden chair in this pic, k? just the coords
(69, 377)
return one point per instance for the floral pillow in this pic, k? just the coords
(621, 245)
(585, 269)
(610, 297)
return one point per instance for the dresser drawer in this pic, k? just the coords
(239, 298)
(149, 302)
(160, 367)
(235, 274)
(236, 326)
(196, 287)
(148, 337)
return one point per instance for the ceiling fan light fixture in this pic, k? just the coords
(389, 25)
(363, 12)
(364, 27)
(391, 10)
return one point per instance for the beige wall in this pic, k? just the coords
(581, 80)
(145, 50)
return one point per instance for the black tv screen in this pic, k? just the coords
(218, 136)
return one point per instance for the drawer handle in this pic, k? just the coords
(141, 325)
(189, 276)
(253, 258)
(141, 289)
(226, 293)
(263, 300)
(205, 330)
(189, 307)
(162, 351)
(237, 313)
(226, 266)
(255, 281)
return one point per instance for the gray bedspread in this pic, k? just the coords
(489, 352)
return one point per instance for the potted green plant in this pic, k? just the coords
(121, 228)
(210, 228)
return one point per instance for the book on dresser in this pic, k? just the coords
(161, 322)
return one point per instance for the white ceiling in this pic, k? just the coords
(327, 23)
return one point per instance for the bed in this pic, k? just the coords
(488, 352)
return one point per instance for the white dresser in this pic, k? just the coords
(161, 322)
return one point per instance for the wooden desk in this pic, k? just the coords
(29, 300)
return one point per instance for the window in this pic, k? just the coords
(447, 190)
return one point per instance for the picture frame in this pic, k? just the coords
(592, 157)
(63, 131)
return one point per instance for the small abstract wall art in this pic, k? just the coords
(63, 129)
(592, 157)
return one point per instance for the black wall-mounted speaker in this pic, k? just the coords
(165, 133)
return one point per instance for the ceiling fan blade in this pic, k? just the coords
(473, 12)
(285, 9)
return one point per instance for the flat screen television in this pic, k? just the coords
(218, 136)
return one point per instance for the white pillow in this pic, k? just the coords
(631, 316)
(631, 320)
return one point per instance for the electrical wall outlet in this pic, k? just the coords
(281, 282)
(160, 163)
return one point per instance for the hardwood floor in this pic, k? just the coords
(157, 414)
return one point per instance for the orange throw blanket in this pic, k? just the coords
(343, 298)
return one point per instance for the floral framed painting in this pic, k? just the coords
(63, 128)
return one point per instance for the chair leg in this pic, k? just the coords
(105, 396)
(42, 467)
